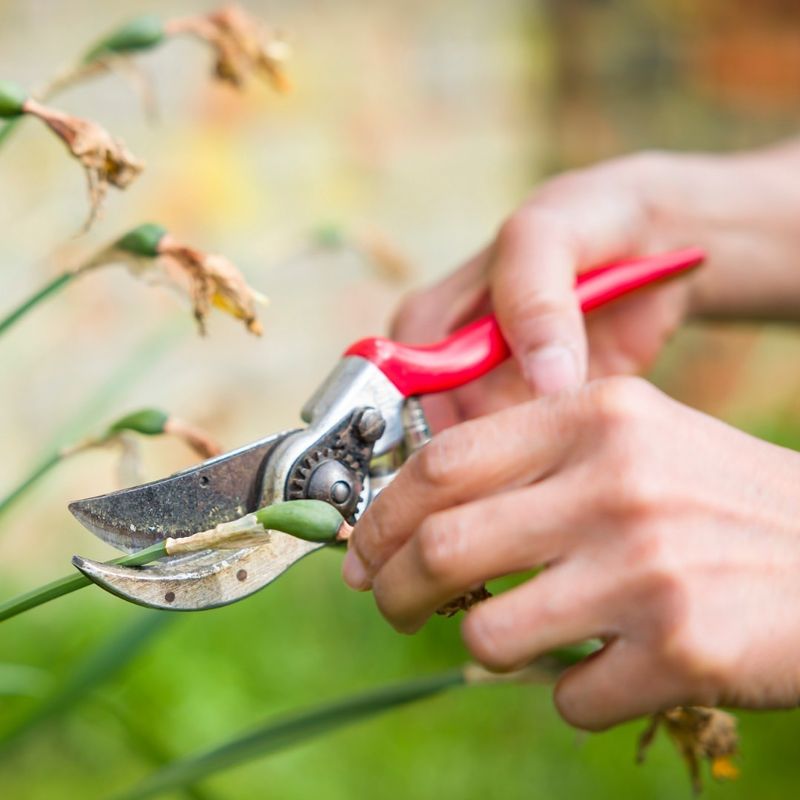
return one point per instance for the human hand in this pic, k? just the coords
(671, 536)
(637, 205)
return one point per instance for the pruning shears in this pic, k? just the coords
(361, 424)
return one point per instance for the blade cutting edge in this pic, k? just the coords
(219, 490)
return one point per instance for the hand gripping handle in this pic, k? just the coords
(479, 347)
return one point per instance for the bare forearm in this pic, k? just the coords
(744, 210)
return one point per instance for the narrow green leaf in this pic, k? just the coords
(55, 285)
(292, 730)
(100, 665)
(141, 33)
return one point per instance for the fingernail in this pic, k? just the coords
(354, 572)
(552, 369)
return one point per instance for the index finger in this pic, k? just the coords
(513, 447)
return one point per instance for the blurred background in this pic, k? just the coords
(414, 127)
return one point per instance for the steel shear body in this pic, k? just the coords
(361, 424)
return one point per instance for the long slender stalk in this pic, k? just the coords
(38, 472)
(98, 666)
(71, 583)
(300, 727)
(292, 730)
(8, 128)
(46, 291)
(142, 740)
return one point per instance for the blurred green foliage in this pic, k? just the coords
(211, 675)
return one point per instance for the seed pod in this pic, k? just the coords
(12, 100)
(148, 421)
(142, 241)
(312, 520)
(141, 33)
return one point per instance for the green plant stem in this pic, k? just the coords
(292, 730)
(101, 663)
(8, 128)
(46, 291)
(39, 472)
(305, 725)
(71, 583)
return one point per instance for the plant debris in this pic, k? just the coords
(106, 160)
(213, 281)
(210, 280)
(465, 601)
(243, 45)
(699, 733)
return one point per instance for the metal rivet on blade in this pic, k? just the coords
(170, 597)
(241, 575)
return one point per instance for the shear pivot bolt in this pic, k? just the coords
(371, 425)
(340, 492)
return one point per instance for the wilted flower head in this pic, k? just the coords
(209, 279)
(105, 159)
(214, 281)
(243, 45)
(700, 734)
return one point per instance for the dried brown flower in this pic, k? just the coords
(105, 159)
(699, 733)
(243, 45)
(213, 281)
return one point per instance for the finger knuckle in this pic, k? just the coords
(372, 538)
(532, 220)
(436, 547)
(620, 400)
(436, 463)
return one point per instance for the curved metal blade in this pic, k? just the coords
(219, 490)
(202, 580)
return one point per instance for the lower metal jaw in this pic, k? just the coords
(203, 580)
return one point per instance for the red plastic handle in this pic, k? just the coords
(479, 347)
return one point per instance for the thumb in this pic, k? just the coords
(532, 276)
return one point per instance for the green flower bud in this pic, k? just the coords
(12, 100)
(141, 33)
(142, 241)
(149, 421)
(313, 520)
